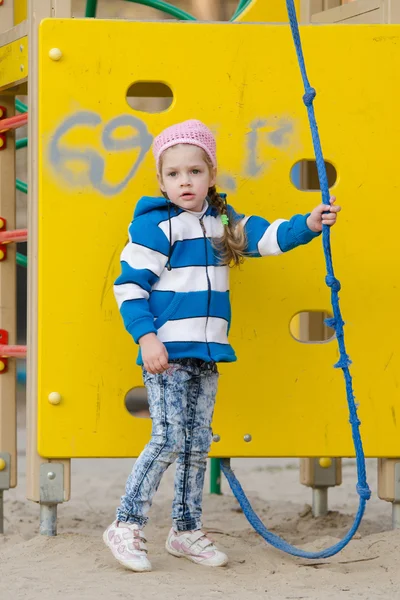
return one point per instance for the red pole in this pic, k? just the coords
(16, 235)
(13, 351)
(13, 122)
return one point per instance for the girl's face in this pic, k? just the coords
(185, 176)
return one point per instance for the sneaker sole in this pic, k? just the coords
(192, 558)
(127, 566)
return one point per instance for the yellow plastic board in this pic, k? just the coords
(95, 162)
(13, 62)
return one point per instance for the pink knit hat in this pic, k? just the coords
(189, 132)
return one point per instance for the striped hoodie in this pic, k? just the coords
(172, 282)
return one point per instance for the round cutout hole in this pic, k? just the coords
(309, 327)
(149, 96)
(304, 175)
(136, 402)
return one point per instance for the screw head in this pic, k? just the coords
(247, 437)
(51, 475)
(2, 364)
(55, 54)
(325, 462)
(54, 398)
(3, 464)
(216, 438)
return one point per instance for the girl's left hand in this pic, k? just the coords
(323, 215)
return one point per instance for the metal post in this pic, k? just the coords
(320, 501)
(48, 519)
(215, 476)
(1, 512)
(396, 515)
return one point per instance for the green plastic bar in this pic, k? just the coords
(91, 8)
(22, 143)
(20, 106)
(242, 5)
(215, 476)
(22, 186)
(22, 260)
(174, 11)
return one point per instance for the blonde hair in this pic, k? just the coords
(231, 246)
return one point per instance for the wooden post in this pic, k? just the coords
(6, 15)
(8, 312)
(37, 10)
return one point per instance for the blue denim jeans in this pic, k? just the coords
(181, 402)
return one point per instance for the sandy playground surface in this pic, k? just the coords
(76, 565)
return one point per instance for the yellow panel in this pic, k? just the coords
(284, 393)
(20, 11)
(268, 12)
(13, 62)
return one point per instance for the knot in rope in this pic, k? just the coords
(363, 491)
(309, 96)
(333, 283)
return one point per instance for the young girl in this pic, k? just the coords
(173, 294)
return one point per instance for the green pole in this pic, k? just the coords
(20, 106)
(22, 186)
(91, 8)
(22, 143)
(22, 260)
(215, 476)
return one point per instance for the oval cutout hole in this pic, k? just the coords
(309, 327)
(149, 96)
(136, 402)
(304, 175)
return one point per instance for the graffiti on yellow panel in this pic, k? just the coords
(80, 164)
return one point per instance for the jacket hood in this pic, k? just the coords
(147, 203)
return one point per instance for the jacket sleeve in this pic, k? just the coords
(267, 239)
(142, 262)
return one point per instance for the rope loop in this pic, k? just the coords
(336, 322)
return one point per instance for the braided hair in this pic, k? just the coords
(233, 242)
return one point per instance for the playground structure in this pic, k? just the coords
(76, 384)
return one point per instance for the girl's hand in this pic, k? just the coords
(323, 215)
(154, 354)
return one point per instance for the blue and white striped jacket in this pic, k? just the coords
(172, 282)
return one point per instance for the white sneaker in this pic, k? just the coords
(197, 547)
(128, 545)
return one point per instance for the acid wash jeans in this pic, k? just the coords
(181, 402)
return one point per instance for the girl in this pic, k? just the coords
(173, 294)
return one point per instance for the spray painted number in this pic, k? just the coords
(62, 156)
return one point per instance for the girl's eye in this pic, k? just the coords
(195, 171)
(172, 174)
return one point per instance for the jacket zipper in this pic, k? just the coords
(208, 283)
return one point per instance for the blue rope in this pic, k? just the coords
(337, 324)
